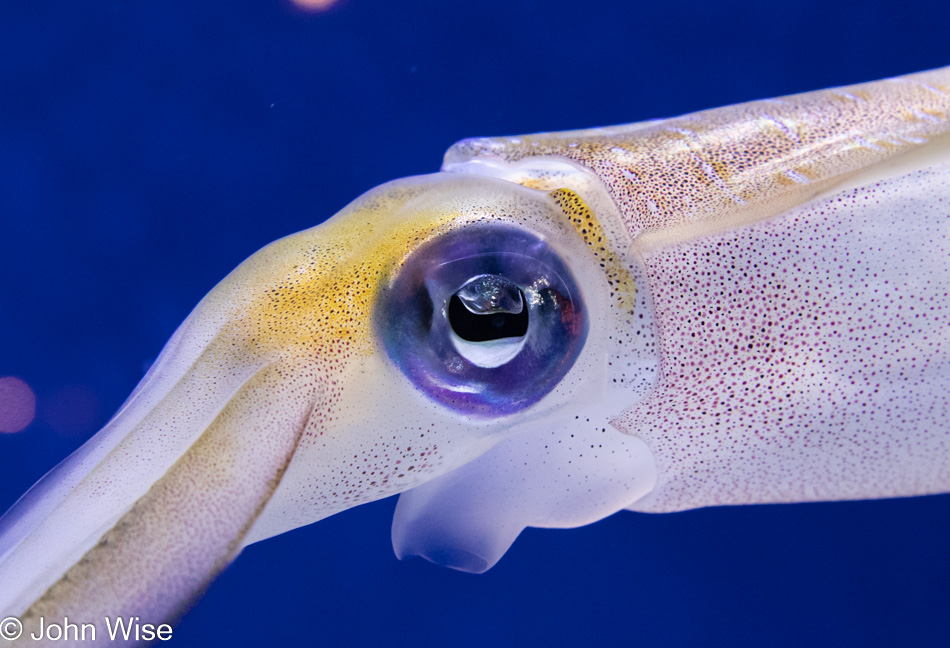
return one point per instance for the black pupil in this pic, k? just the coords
(473, 327)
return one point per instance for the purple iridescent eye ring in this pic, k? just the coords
(485, 320)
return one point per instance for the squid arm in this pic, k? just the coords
(742, 305)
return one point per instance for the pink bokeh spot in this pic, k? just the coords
(17, 404)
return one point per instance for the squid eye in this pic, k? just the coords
(489, 320)
(485, 320)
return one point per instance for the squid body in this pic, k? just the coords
(742, 305)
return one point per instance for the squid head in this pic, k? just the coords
(744, 305)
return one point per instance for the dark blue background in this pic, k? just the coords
(147, 148)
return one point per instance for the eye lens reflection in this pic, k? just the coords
(484, 320)
(487, 308)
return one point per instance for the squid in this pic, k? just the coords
(743, 305)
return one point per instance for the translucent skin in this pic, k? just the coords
(806, 357)
(796, 257)
(768, 299)
(744, 162)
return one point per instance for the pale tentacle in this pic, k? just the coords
(100, 485)
(168, 547)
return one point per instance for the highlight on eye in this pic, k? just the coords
(485, 320)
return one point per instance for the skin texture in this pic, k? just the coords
(740, 163)
(821, 372)
(761, 331)
(803, 352)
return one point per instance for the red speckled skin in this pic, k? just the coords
(804, 346)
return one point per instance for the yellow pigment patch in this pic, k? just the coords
(313, 292)
(583, 220)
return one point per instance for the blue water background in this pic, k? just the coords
(146, 148)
